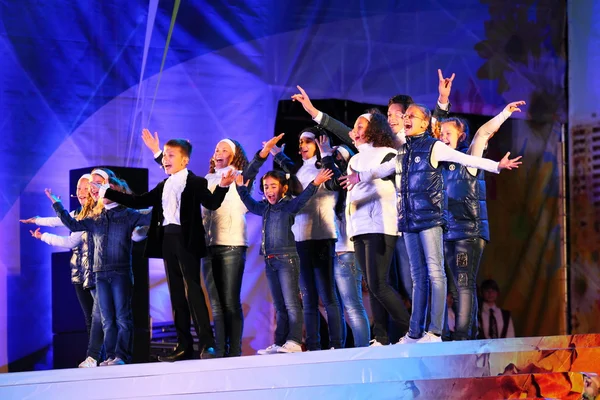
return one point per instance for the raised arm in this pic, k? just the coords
(442, 152)
(145, 200)
(212, 200)
(331, 124)
(252, 205)
(286, 163)
(152, 143)
(487, 130)
(71, 223)
(442, 108)
(296, 204)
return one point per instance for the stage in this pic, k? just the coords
(550, 367)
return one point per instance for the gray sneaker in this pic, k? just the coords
(105, 362)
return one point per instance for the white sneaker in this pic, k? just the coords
(105, 362)
(407, 340)
(430, 338)
(89, 362)
(272, 349)
(290, 347)
(116, 361)
(375, 343)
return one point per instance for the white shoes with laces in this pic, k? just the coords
(272, 349)
(89, 362)
(290, 347)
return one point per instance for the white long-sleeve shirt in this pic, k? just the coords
(483, 135)
(371, 204)
(485, 321)
(316, 220)
(68, 242)
(51, 222)
(441, 152)
(225, 226)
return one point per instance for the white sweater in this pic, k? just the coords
(225, 226)
(316, 220)
(371, 206)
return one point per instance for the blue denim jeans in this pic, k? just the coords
(96, 339)
(115, 289)
(348, 279)
(463, 257)
(426, 256)
(317, 280)
(222, 270)
(283, 274)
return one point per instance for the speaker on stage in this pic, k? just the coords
(67, 318)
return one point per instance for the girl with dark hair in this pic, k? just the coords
(371, 221)
(468, 228)
(278, 211)
(315, 234)
(110, 230)
(227, 239)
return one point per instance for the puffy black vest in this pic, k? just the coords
(467, 209)
(423, 201)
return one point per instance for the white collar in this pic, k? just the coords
(310, 161)
(364, 146)
(487, 307)
(110, 206)
(180, 175)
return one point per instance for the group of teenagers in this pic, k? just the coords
(403, 193)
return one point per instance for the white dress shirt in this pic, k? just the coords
(485, 321)
(171, 197)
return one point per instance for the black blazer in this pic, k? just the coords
(194, 195)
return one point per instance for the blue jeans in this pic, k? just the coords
(115, 289)
(222, 270)
(316, 280)
(463, 257)
(283, 274)
(96, 339)
(348, 279)
(426, 255)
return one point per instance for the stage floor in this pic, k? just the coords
(449, 370)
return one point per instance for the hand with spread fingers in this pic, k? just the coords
(509, 164)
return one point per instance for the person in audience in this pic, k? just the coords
(227, 239)
(177, 235)
(278, 246)
(494, 322)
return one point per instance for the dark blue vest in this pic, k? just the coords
(423, 201)
(467, 208)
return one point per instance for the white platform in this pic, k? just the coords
(379, 372)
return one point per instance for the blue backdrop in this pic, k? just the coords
(80, 80)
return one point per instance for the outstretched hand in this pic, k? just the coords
(54, 198)
(270, 145)
(239, 181)
(444, 87)
(303, 99)
(150, 141)
(36, 234)
(323, 176)
(348, 181)
(28, 220)
(507, 163)
(228, 178)
(514, 106)
(324, 145)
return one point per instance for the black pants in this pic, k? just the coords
(187, 297)
(86, 301)
(375, 251)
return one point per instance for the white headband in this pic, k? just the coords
(343, 151)
(101, 173)
(230, 143)
(309, 135)
(366, 116)
(85, 176)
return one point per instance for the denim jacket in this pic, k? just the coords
(277, 236)
(110, 234)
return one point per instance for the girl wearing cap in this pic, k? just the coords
(227, 240)
(371, 214)
(315, 234)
